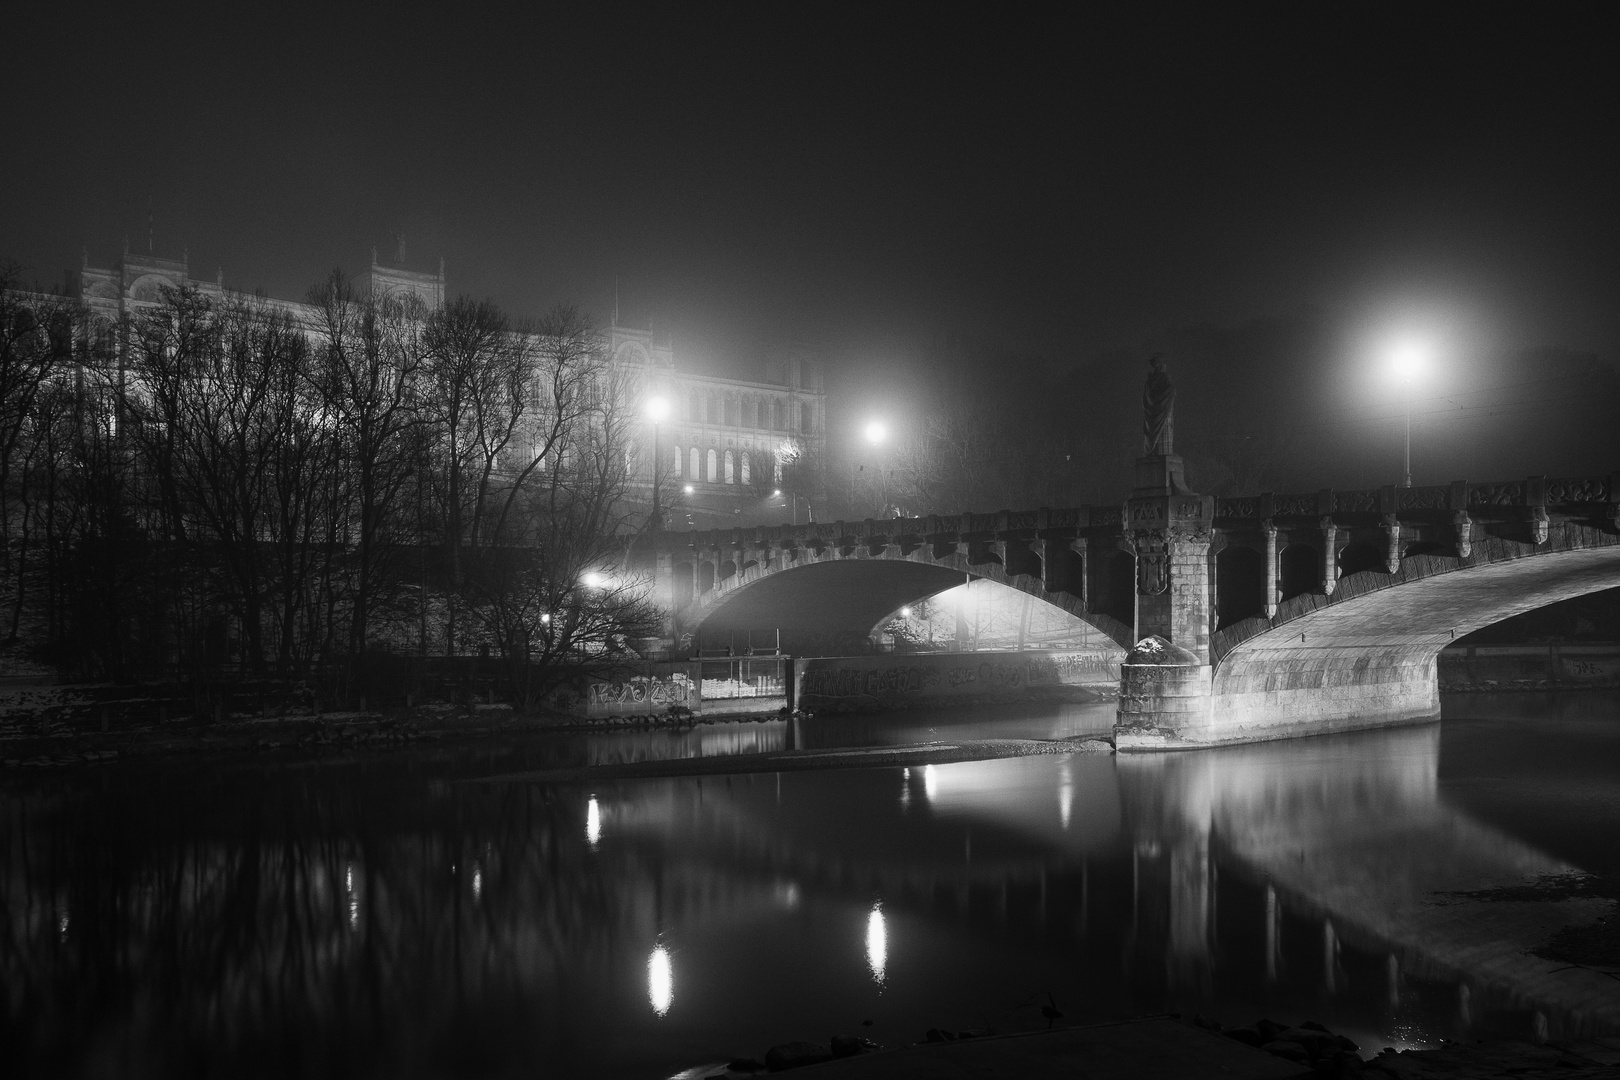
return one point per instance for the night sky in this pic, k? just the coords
(1271, 195)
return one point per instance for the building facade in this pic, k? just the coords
(719, 456)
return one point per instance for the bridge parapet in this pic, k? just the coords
(1109, 565)
(1587, 497)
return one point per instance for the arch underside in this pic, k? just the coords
(1368, 653)
(821, 602)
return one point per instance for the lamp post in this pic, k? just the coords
(876, 433)
(657, 410)
(1408, 362)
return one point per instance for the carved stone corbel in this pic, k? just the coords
(1269, 527)
(1392, 544)
(1079, 547)
(1330, 556)
(1464, 528)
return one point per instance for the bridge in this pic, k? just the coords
(1241, 618)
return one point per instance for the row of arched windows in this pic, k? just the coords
(716, 466)
(756, 412)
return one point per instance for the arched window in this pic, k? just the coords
(714, 466)
(731, 472)
(711, 410)
(778, 472)
(695, 471)
(694, 408)
(776, 415)
(747, 473)
(1300, 567)
(677, 462)
(1240, 585)
(806, 418)
(1357, 557)
(631, 453)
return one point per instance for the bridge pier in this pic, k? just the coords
(1165, 680)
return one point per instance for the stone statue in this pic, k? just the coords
(1158, 401)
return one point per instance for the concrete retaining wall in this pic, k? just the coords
(639, 690)
(1529, 667)
(837, 683)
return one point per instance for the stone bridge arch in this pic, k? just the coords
(841, 593)
(1365, 654)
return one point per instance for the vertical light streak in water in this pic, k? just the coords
(478, 883)
(905, 789)
(660, 980)
(1330, 957)
(593, 823)
(1272, 918)
(930, 783)
(1065, 799)
(354, 897)
(877, 943)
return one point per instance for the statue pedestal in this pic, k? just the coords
(1160, 474)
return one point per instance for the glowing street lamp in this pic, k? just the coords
(1409, 362)
(657, 412)
(877, 433)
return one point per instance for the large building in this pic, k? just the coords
(721, 444)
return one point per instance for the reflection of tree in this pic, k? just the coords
(361, 918)
(303, 942)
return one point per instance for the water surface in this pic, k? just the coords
(377, 915)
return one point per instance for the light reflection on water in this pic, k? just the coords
(660, 980)
(593, 822)
(877, 943)
(1294, 880)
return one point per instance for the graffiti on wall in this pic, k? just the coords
(1588, 669)
(650, 690)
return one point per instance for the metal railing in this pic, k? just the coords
(743, 677)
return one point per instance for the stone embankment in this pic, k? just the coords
(58, 726)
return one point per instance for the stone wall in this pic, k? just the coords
(912, 679)
(1529, 667)
(641, 690)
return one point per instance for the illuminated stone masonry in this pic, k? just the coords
(1290, 614)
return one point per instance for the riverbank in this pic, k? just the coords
(30, 738)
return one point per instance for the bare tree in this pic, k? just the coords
(554, 588)
(36, 343)
(369, 362)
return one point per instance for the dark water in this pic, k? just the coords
(378, 916)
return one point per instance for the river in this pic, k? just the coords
(390, 914)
